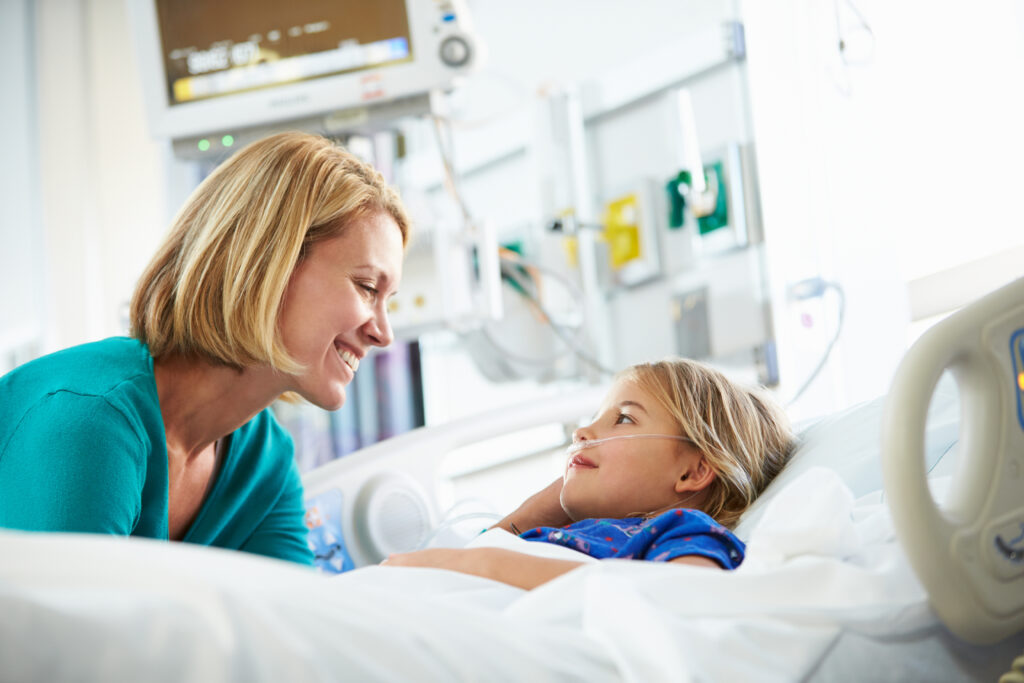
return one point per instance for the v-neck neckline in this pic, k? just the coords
(222, 450)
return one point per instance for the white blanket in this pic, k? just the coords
(820, 567)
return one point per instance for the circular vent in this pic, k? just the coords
(392, 515)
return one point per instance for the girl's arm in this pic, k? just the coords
(516, 569)
(541, 509)
(697, 560)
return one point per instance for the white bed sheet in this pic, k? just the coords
(823, 584)
(825, 593)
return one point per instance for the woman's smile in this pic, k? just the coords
(350, 359)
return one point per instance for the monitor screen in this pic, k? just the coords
(231, 66)
(217, 49)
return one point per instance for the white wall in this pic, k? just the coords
(21, 240)
(102, 177)
(884, 172)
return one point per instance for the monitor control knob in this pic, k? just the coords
(455, 51)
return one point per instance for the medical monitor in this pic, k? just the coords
(211, 67)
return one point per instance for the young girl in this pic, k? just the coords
(672, 459)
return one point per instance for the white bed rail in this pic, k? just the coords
(969, 555)
(388, 490)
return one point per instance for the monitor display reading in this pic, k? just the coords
(213, 49)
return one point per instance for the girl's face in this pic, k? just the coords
(628, 477)
(335, 307)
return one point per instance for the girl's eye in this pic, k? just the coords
(370, 290)
(622, 419)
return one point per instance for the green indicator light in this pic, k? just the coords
(227, 140)
(204, 145)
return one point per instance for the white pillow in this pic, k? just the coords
(849, 443)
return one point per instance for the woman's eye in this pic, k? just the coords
(371, 291)
(623, 418)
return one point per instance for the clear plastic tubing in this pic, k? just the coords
(578, 446)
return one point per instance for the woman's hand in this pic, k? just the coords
(541, 509)
(516, 569)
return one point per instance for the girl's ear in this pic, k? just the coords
(696, 477)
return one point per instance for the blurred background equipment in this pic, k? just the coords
(582, 200)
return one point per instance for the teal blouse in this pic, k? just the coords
(83, 449)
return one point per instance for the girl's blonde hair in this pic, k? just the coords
(214, 288)
(743, 434)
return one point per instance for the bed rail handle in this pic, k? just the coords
(968, 554)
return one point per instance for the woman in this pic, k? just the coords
(274, 280)
(673, 458)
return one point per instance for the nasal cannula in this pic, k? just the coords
(577, 446)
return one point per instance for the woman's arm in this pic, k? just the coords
(516, 569)
(541, 509)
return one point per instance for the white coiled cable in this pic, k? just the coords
(447, 523)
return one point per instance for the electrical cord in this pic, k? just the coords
(524, 97)
(809, 289)
(862, 25)
(450, 182)
(574, 345)
(574, 290)
(447, 523)
(524, 291)
(861, 39)
(451, 185)
(581, 354)
(526, 288)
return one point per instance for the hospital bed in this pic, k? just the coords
(889, 549)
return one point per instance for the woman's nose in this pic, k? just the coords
(379, 329)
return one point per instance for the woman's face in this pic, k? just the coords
(335, 306)
(629, 476)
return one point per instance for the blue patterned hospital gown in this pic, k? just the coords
(669, 535)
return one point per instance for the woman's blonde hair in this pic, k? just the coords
(742, 433)
(214, 288)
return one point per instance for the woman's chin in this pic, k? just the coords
(336, 404)
(329, 401)
(331, 407)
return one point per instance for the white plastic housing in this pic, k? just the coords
(969, 555)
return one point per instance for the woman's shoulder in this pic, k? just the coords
(114, 374)
(92, 368)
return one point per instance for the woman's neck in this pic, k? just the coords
(201, 402)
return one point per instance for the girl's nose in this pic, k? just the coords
(581, 434)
